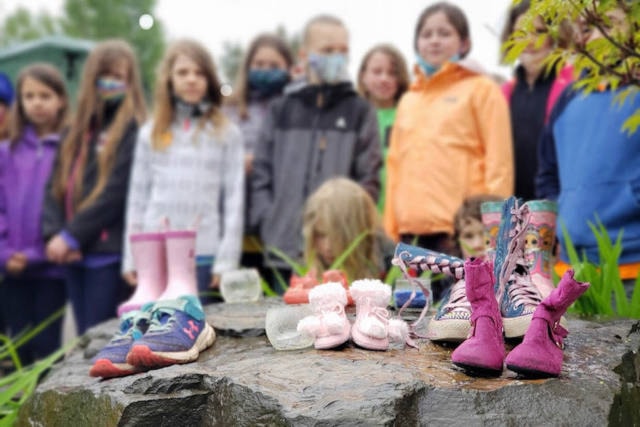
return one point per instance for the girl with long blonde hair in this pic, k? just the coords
(335, 215)
(188, 169)
(83, 216)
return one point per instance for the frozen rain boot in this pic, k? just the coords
(148, 251)
(482, 354)
(181, 264)
(329, 325)
(540, 353)
(539, 240)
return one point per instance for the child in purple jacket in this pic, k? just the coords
(33, 288)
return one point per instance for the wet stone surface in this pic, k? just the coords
(242, 380)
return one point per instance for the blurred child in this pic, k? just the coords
(590, 165)
(339, 214)
(320, 129)
(33, 288)
(83, 216)
(382, 79)
(187, 170)
(469, 232)
(453, 123)
(263, 76)
(6, 99)
(334, 216)
(531, 96)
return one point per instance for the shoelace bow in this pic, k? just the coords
(380, 313)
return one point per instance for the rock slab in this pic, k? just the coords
(243, 381)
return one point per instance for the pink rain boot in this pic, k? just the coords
(148, 250)
(540, 237)
(540, 353)
(329, 325)
(483, 352)
(373, 328)
(181, 264)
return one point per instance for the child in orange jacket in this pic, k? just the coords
(451, 138)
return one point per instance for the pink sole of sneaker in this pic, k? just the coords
(105, 368)
(332, 341)
(450, 330)
(368, 342)
(141, 355)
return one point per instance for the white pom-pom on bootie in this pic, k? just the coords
(329, 325)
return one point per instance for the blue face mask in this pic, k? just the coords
(267, 83)
(429, 69)
(330, 68)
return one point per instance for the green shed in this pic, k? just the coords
(65, 53)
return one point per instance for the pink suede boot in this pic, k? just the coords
(329, 325)
(483, 352)
(540, 353)
(181, 264)
(148, 251)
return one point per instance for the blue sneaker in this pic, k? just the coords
(177, 334)
(111, 361)
(452, 321)
(516, 293)
(419, 259)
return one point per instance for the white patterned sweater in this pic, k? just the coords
(198, 178)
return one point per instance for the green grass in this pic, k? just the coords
(606, 295)
(19, 385)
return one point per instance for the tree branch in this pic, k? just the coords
(591, 17)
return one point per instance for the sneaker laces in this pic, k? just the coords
(514, 270)
(515, 250)
(162, 319)
(434, 263)
(412, 333)
(129, 326)
(457, 298)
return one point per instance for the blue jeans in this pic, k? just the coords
(95, 293)
(27, 302)
(203, 274)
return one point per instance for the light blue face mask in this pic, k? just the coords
(429, 69)
(331, 68)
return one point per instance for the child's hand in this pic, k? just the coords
(57, 250)
(215, 281)
(131, 278)
(17, 263)
(73, 256)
